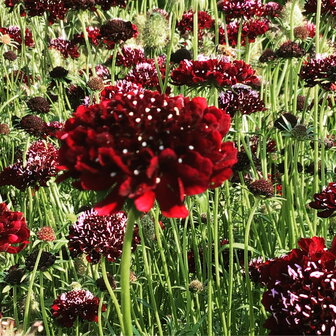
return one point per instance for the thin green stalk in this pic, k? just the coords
(100, 327)
(43, 308)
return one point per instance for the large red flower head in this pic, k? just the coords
(147, 146)
(301, 288)
(15, 34)
(186, 24)
(325, 201)
(97, 235)
(65, 47)
(78, 303)
(14, 233)
(241, 8)
(56, 10)
(213, 72)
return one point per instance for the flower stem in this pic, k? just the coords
(125, 273)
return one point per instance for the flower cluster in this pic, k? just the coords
(15, 34)
(241, 99)
(14, 233)
(213, 72)
(98, 236)
(75, 304)
(320, 71)
(327, 7)
(148, 146)
(290, 49)
(301, 287)
(325, 201)
(241, 8)
(35, 171)
(128, 57)
(250, 31)
(186, 24)
(93, 36)
(65, 47)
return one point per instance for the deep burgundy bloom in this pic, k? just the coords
(93, 36)
(290, 49)
(98, 236)
(327, 7)
(121, 87)
(262, 187)
(77, 303)
(56, 10)
(107, 4)
(117, 31)
(14, 233)
(320, 71)
(272, 9)
(65, 47)
(301, 287)
(241, 99)
(38, 105)
(129, 57)
(39, 167)
(213, 72)
(15, 34)
(241, 8)
(186, 24)
(51, 128)
(325, 200)
(268, 55)
(250, 31)
(148, 146)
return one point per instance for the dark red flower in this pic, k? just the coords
(93, 36)
(186, 24)
(14, 233)
(250, 31)
(55, 10)
(241, 99)
(75, 304)
(15, 34)
(148, 146)
(262, 187)
(129, 57)
(107, 4)
(325, 200)
(241, 8)
(213, 72)
(51, 128)
(65, 47)
(327, 7)
(117, 31)
(38, 105)
(320, 71)
(98, 236)
(290, 49)
(38, 168)
(121, 87)
(301, 287)
(272, 9)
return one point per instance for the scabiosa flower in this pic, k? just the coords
(46, 260)
(117, 31)
(149, 146)
(262, 188)
(14, 275)
(65, 47)
(213, 72)
(121, 87)
(51, 128)
(58, 72)
(96, 84)
(75, 304)
(241, 8)
(10, 55)
(186, 24)
(250, 31)
(146, 75)
(38, 168)
(320, 71)
(180, 55)
(268, 55)
(75, 94)
(39, 105)
(32, 124)
(300, 293)
(272, 9)
(14, 233)
(98, 236)
(241, 99)
(107, 4)
(4, 129)
(327, 7)
(15, 34)
(325, 201)
(93, 36)
(128, 57)
(290, 49)
(54, 9)
(46, 233)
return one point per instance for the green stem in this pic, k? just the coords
(43, 309)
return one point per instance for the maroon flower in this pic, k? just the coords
(117, 31)
(14, 233)
(130, 57)
(213, 72)
(55, 10)
(186, 24)
(241, 8)
(93, 36)
(250, 31)
(272, 9)
(320, 71)
(148, 146)
(98, 236)
(241, 99)
(262, 187)
(38, 168)
(78, 303)
(107, 4)
(51, 128)
(327, 7)
(65, 47)
(290, 49)
(301, 287)
(121, 87)
(325, 200)
(15, 34)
